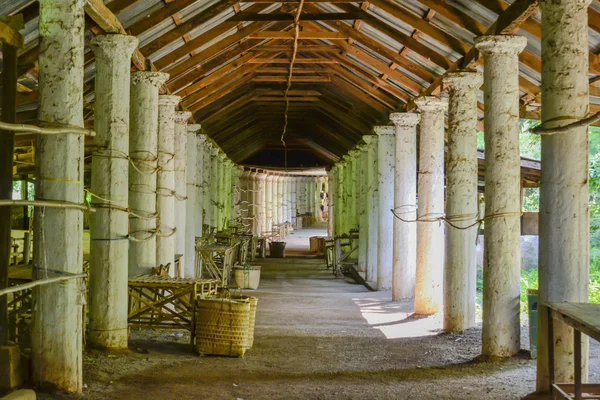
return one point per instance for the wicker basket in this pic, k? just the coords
(222, 327)
(252, 316)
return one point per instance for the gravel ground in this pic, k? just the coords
(316, 338)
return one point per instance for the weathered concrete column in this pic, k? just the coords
(429, 290)
(404, 265)
(222, 189)
(193, 205)
(294, 199)
(269, 202)
(372, 207)
(385, 183)
(181, 195)
(262, 204)
(215, 186)
(143, 144)
(353, 180)
(109, 228)
(331, 204)
(462, 205)
(226, 193)
(207, 183)
(363, 228)
(502, 239)
(285, 198)
(56, 336)
(165, 182)
(564, 192)
(280, 202)
(275, 200)
(249, 198)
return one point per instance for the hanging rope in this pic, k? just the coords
(289, 82)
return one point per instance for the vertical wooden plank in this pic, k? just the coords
(577, 363)
(7, 144)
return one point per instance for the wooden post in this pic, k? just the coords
(7, 144)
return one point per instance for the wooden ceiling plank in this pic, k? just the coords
(322, 35)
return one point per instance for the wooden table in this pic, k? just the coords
(163, 302)
(583, 318)
(217, 261)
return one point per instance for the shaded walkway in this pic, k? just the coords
(298, 242)
(317, 337)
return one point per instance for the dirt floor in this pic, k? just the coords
(317, 337)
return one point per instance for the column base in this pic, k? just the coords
(109, 339)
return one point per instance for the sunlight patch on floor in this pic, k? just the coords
(395, 320)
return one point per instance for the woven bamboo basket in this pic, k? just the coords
(252, 317)
(222, 327)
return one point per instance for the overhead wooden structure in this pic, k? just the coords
(356, 62)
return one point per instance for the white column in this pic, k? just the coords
(353, 209)
(143, 144)
(275, 200)
(56, 336)
(201, 185)
(165, 182)
(502, 239)
(429, 290)
(193, 205)
(269, 202)
(462, 205)
(215, 187)
(294, 199)
(179, 165)
(363, 232)
(109, 228)
(280, 190)
(404, 264)
(385, 182)
(208, 182)
(285, 199)
(564, 192)
(331, 203)
(372, 207)
(248, 186)
(262, 204)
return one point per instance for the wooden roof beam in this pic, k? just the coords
(249, 16)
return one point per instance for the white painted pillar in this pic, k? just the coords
(215, 186)
(285, 199)
(372, 207)
(404, 266)
(269, 202)
(564, 192)
(143, 147)
(181, 195)
(502, 238)
(429, 289)
(353, 209)
(193, 205)
(294, 199)
(275, 200)
(462, 205)
(331, 204)
(385, 182)
(109, 228)
(280, 203)
(248, 187)
(201, 185)
(56, 336)
(262, 204)
(291, 195)
(363, 229)
(165, 182)
(207, 182)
